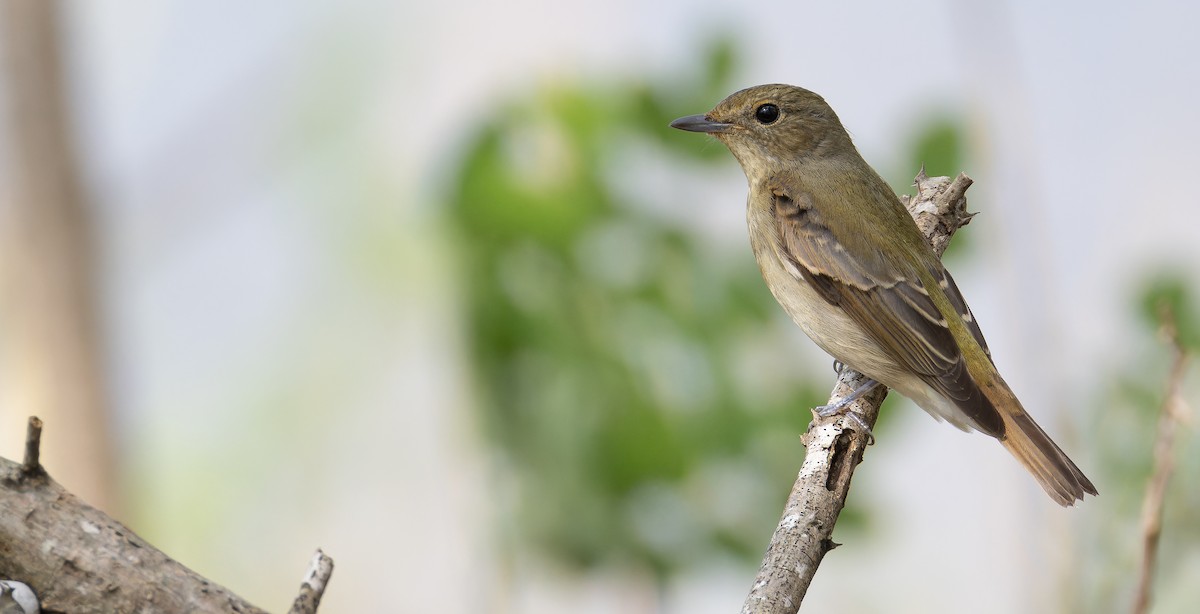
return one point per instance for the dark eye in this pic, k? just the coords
(766, 113)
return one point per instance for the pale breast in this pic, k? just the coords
(825, 324)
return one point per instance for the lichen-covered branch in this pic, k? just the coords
(835, 445)
(313, 586)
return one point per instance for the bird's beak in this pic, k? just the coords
(700, 123)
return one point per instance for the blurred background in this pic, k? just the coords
(433, 287)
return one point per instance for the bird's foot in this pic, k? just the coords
(842, 407)
(833, 409)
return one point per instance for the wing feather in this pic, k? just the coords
(893, 306)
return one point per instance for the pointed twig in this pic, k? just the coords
(313, 586)
(32, 467)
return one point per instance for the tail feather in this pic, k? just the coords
(1030, 445)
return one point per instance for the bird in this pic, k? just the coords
(845, 260)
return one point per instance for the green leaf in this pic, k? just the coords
(1168, 295)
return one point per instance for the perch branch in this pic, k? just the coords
(1174, 410)
(835, 445)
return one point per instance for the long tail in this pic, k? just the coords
(1026, 441)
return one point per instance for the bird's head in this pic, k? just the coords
(772, 125)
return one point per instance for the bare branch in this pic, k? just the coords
(835, 446)
(1174, 410)
(78, 559)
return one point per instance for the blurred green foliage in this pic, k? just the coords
(607, 338)
(633, 376)
(1124, 431)
(1170, 291)
(939, 146)
(632, 373)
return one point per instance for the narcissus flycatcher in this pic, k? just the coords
(843, 257)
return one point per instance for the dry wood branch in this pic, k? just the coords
(1174, 410)
(313, 587)
(835, 445)
(79, 560)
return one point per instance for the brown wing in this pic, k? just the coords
(893, 306)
